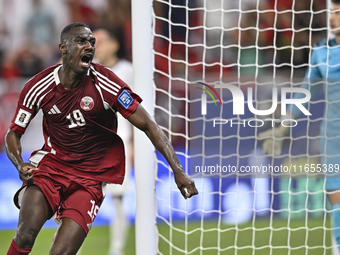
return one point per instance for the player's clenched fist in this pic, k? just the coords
(185, 184)
(26, 172)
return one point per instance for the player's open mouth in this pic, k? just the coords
(86, 60)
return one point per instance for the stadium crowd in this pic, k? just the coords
(28, 44)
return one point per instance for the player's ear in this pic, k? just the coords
(62, 48)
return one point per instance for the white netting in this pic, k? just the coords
(237, 42)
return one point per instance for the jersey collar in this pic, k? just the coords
(56, 76)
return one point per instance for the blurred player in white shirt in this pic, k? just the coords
(107, 47)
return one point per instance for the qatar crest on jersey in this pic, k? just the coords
(86, 103)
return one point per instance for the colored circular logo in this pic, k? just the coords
(86, 103)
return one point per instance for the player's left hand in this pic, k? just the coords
(273, 140)
(185, 184)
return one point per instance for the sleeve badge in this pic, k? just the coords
(125, 99)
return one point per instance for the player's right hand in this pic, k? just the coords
(185, 184)
(273, 140)
(26, 172)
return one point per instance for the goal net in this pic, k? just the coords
(219, 66)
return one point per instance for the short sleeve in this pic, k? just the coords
(127, 102)
(115, 92)
(23, 114)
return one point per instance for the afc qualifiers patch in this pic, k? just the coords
(86, 103)
(22, 118)
(125, 99)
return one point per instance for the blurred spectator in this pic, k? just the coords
(219, 23)
(306, 24)
(29, 61)
(174, 37)
(40, 26)
(250, 54)
(81, 11)
(40, 32)
(117, 20)
(3, 33)
(9, 69)
(297, 25)
(176, 11)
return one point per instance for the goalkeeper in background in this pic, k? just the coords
(324, 64)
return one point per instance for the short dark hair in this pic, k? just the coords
(335, 1)
(68, 28)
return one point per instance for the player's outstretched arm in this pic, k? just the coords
(13, 150)
(142, 120)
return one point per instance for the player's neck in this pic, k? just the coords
(70, 79)
(110, 62)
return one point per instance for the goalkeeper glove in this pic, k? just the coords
(273, 140)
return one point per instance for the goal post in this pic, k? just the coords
(144, 160)
(216, 68)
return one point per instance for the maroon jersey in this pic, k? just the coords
(79, 124)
